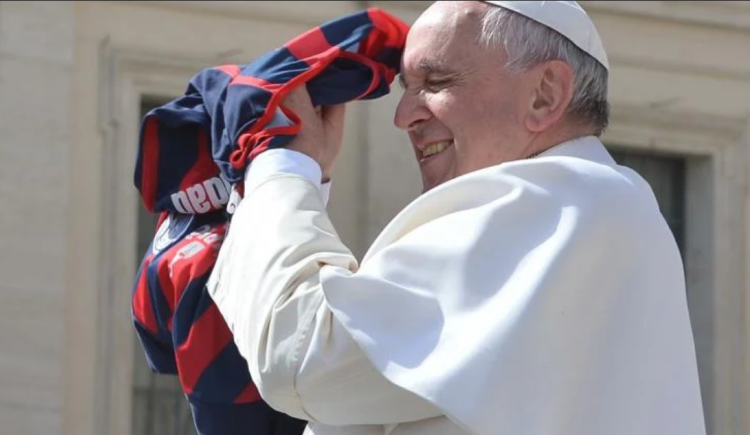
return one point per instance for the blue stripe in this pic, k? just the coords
(162, 312)
(194, 302)
(243, 419)
(358, 26)
(278, 67)
(159, 354)
(225, 378)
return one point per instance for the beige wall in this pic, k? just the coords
(72, 73)
(36, 128)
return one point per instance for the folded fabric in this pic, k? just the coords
(192, 155)
(194, 148)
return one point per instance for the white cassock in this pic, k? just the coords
(539, 297)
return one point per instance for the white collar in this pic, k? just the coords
(584, 147)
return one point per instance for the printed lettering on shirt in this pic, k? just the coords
(199, 240)
(186, 252)
(212, 194)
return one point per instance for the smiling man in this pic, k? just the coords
(534, 288)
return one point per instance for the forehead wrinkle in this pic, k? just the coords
(439, 29)
(426, 66)
(432, 66)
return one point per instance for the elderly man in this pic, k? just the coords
(533, 289)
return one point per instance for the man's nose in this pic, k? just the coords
(410, 112)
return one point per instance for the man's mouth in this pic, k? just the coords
(435, 148)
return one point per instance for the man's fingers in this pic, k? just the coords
(334, 115)
(298, 100)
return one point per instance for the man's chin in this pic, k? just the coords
(438, 169)
(429, 184)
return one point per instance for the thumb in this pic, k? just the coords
(334, 115)
(333, 123)
(298, 101)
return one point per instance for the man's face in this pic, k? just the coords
(462, 111)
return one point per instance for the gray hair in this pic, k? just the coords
(529, 43)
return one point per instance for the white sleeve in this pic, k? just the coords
(266, 285)
(285, 161)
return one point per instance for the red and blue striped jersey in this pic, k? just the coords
(230, 113)
(192, 155)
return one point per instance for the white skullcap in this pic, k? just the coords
(565, 17)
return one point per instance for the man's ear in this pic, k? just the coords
(552, 94)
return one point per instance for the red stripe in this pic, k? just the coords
(230, 70)
(240, 188)
(208, 336)
(249, 395)
(389, 32)
(174, 282)
(260, 141)
(394, 30)
(261, 145)
(375, 39)
(309, 46)
(184, 270)
(149, 164)
(296, 121)
(204, 167)
(251, 144)
(376, 68)
(255, 81)
(166, 285)
(142, 308)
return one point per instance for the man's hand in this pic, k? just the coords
(322, 129)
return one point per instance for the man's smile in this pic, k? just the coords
(433, 149)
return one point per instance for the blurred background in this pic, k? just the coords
(76, 78)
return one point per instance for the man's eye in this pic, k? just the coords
(436, 85)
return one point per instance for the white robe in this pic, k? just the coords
(538, 297)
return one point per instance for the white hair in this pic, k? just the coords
(529, 43)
